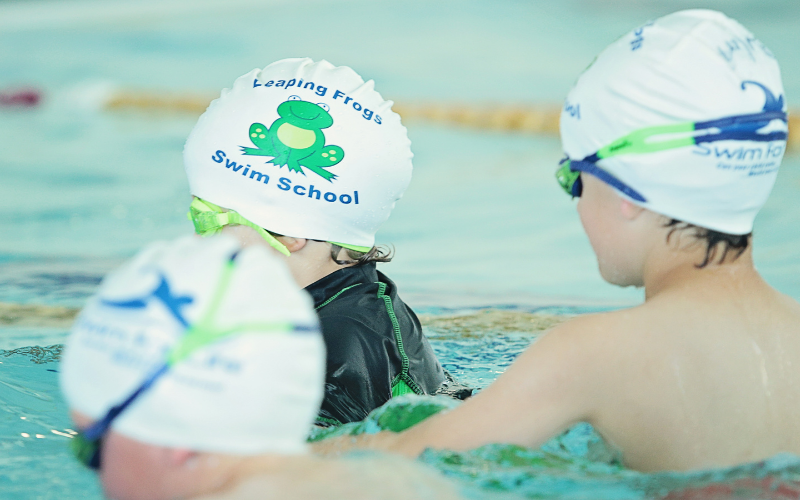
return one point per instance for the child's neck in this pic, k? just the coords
(672, 269)
(312, 263)
(309, 262)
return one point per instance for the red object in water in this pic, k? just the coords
(21, 98)
(744, 489)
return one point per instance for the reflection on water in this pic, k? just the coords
(35, 461)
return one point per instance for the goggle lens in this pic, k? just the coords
(87, 451)
(568, 179)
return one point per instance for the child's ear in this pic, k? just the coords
(293, 244)
(630, 211)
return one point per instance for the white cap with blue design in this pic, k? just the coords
(204, 346)
(685, 116)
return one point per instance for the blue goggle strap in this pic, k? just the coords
(737, 128)
(664, 137)
(592, 168)
(101, 426)
(742, 128)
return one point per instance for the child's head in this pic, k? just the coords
(685, 117)
(230, 347)
(301, 149)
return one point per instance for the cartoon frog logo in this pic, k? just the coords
(296, 139)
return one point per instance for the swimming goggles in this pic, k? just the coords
(87, 444)
(209, 219)
(664, 137)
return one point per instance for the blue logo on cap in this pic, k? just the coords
(771, 103)
(173, 303)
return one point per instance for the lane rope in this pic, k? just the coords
(526, 118)
(530, 118)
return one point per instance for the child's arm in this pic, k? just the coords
(555, 383)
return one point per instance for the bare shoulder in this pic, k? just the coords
(789, 305)
(585, 358)
(588, 336)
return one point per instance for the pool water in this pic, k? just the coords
(489, 250)
(35, 430)
(476, 346)
(83, 188)
(574, 465)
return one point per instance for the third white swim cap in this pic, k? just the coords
(249, 361)
(303, 149)
(700, 83)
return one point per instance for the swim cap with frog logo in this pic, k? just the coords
(244, 354)
(685, 116)
(304, 149)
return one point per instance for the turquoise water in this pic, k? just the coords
(483, 224)
(35, 461)
(34, 427)
(81, 187)
(575, 465)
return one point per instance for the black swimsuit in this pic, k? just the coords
(376, 348)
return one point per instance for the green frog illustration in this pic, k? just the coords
(296, 139)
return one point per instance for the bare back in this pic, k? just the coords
(700, 375)
(708, 377)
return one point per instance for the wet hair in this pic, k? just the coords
(717, 243)
(375, 254)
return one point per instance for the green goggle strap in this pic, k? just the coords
(209, 219)
(203, 332)
(637, 142)
(645, 140)
(352, 247)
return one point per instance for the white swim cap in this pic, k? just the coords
(255, 389)
(302, 149)
(713, 91)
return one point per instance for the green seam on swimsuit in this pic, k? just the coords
(335, 295)
(399, 387)
(329, 421)
(403, 376)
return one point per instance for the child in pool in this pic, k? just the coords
(347, 161)
(704, 373)
(229, 415)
